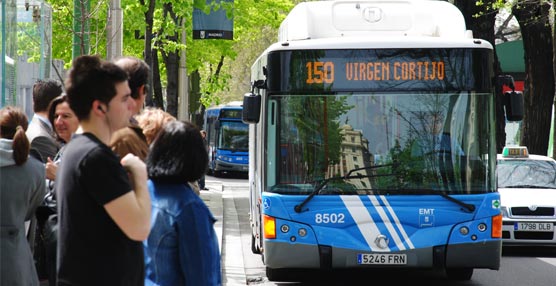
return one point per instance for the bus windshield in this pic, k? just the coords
(397, 143)
(234, 136)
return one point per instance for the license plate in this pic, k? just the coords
(382, 259)
(534, 226)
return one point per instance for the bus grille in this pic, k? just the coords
(540, 211)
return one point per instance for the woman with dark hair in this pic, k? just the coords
(182, 247)
(63, 119)
(22, 186)
(65, 124)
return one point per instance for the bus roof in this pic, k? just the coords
(372, 18)
(380, 43)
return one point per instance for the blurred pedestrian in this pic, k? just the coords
(131, 139)
(65, 124)
(103, 202)
(40, 132)
(202, 179)
(182, 248)
(151, 120)
(22, 188)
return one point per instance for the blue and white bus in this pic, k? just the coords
(372, 141)
(227, 138)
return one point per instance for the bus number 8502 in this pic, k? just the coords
(329, 218)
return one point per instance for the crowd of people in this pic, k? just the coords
(97, 190)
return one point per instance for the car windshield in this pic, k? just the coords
(526, 174)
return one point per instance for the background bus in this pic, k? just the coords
(372, 141)
(227, 137)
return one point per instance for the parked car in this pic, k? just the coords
(527, 187)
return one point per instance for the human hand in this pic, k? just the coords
(51, 168)
(135, 167)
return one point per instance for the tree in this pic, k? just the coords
(480, 19)
(63, 29)
(533, 18)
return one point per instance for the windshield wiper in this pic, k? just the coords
(318, 187)
(469, 207)
(299, 208)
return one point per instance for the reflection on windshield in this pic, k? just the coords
(234, 136)
(428, 141)
(526, 174)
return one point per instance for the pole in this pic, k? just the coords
(183, 85)
(114, 27)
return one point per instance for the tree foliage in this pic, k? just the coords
(533, 17)
(152, 29)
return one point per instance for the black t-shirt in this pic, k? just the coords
(92, 250)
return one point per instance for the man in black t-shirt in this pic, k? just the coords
(103, 202)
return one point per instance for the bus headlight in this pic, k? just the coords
(224, 158)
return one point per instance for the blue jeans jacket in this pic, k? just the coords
(182, 247)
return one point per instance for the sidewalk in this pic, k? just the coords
(221, 203)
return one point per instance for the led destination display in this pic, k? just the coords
(379, 70)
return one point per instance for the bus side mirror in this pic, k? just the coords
(513, 101)
(251, 108)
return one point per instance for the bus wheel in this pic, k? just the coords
(276, 274)
(459, 273)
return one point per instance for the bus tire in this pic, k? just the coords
(459, 273)
(276, 274)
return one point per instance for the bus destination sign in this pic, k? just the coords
(379, 70)
(323, 72)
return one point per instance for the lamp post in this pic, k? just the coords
(114, 37)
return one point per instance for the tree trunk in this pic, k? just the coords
(539, 75)
(149, 16)
(554, 71)
(172, 73)
(196, 108)
(171, 60)
(483, 28)
(158, 100)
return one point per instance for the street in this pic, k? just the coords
(519, 266)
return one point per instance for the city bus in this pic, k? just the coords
(227, 139)
(372, 142)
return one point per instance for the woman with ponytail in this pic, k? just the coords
(22, 188)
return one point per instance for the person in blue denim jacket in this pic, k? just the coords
(182, 247)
